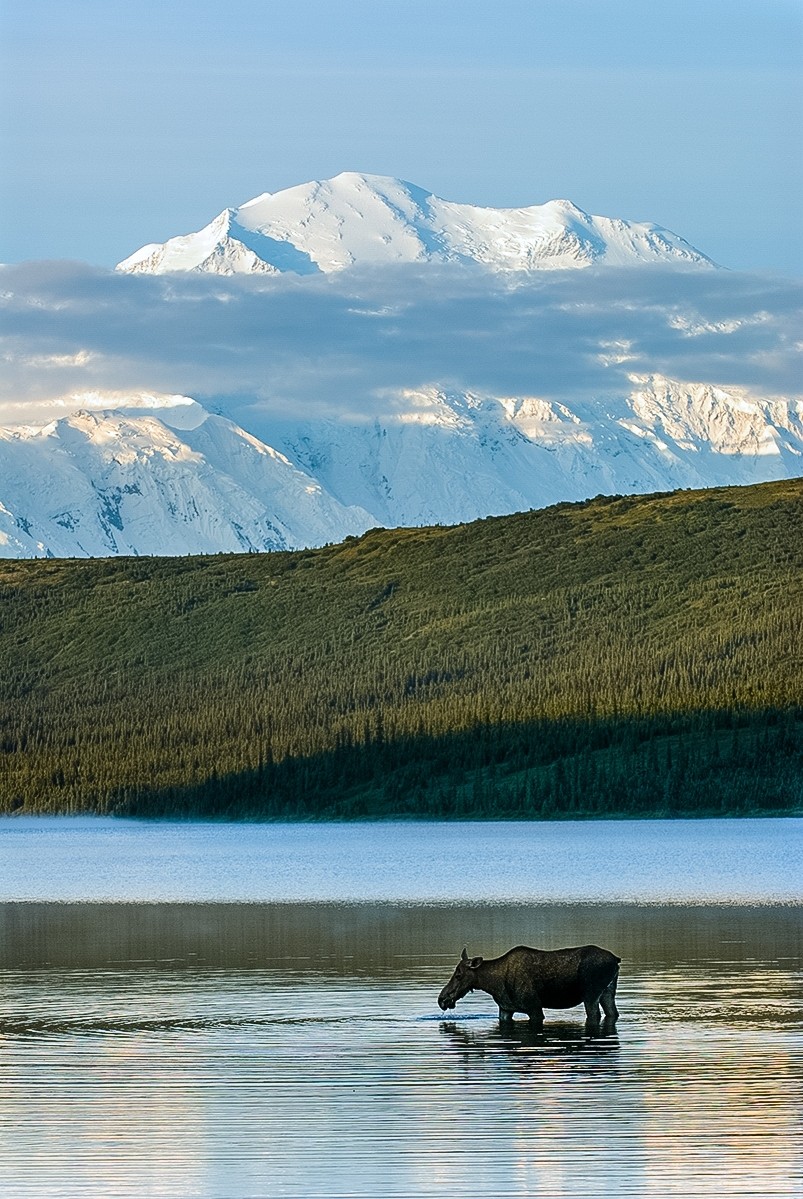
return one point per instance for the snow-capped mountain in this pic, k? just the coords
(96, 484)
(374, 220)
(371, 398)
(176, 480)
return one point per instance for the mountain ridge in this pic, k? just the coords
(104, 483)
(430, 395)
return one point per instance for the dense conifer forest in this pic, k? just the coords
(625, 656)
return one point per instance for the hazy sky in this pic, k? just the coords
(124, 124)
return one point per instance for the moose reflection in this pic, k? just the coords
(528, 980)
(525, 1041)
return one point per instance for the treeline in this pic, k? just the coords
(636, 655)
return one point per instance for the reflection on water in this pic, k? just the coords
(556, 1038)
(377, 938)
(243, 1052)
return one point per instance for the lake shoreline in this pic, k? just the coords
(409, 818)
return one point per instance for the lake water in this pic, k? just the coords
(642, 861)
(186, 1045)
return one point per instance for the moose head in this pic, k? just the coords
(462, 981)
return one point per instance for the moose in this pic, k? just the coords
(528, 980)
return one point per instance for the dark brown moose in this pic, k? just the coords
(528, 980)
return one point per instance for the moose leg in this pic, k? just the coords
(505, 1014)
(536, 1015)
(608, 999)
(592, 1009)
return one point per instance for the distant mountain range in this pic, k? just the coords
(374, 221)
(178, 480)
(141, 473)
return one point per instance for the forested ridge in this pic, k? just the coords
(628, 655)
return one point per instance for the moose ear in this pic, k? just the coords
(475, 962)
(464, 956)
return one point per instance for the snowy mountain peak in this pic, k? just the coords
(375, 220)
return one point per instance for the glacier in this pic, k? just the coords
(448, 457)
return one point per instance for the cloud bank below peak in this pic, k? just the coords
(343, 345)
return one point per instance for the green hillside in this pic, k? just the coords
(637, 655)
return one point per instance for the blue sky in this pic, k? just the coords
(128, 124)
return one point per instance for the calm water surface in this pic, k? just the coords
(644, 861)
(295, 1048)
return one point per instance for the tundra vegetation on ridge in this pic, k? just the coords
(629, 655)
